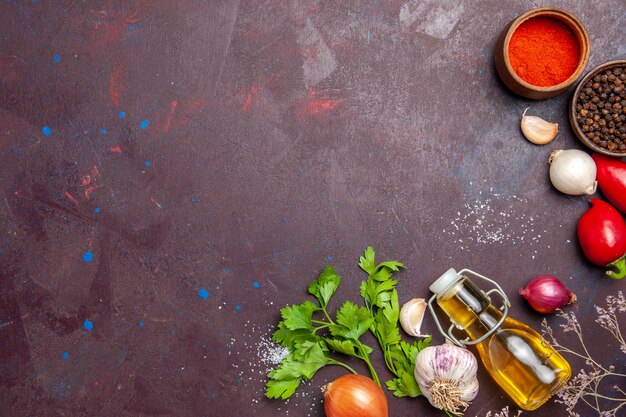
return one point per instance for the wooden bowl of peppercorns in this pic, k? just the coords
(598, 109)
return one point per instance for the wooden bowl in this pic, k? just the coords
(572, 109)
(514, 81)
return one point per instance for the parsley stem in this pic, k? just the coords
(327, 315)
(366, 359)
(335, 362)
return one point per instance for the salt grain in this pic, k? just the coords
(486, 222)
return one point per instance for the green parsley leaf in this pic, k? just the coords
(315, 355)
(298, 316)
(381, 298)
(404, 386)
(324, 287)
(348, 347)
(391, 309)
(282, 389)
(289, 368)
(393, 265)
(345, 346)
(288, 338)
(353, 321)
(389, 333)
(366, 262)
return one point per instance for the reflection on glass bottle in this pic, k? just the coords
(516, 356)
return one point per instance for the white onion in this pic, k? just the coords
(573, 172)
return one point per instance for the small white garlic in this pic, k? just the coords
(537, 130)
(573, 172)
(446, 375)
(412, 315)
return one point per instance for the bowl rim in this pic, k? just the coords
(572, 108)
(572, 22)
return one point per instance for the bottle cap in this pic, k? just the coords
(445, 281)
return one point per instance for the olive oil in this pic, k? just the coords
(516, 356)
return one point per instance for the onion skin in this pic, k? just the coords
(354, 395)
(546, 294)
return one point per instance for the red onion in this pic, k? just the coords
(546, 293)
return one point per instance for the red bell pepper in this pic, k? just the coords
(611, 176)
(602, 237)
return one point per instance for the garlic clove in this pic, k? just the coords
(537, 130)
(412, 315)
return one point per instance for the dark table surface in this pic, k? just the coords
(172, 173)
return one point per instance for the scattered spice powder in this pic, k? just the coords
(544, 51)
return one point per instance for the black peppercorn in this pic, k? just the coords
(600, 109)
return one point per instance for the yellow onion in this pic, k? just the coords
(354, 395)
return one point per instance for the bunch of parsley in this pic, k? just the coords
(312, 336)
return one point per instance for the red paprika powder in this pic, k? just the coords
(544, 51)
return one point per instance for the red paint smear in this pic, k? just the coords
(116, 149)
(110, 26)
(178, 115)
(71, 197)
(319, 106)
(253, 91)
(90, 190)
(91, 179)
(170, 115)
(193, 105)
(246, 105)
(87, 179)
(115, 85)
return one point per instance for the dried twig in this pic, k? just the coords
(504, 413)
(586, 389)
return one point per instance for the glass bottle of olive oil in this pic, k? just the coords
(516, 356)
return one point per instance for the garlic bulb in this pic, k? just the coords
(412, 315)
(537, 130)
(573, 172)
(446, 375)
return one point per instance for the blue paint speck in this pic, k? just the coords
(203, 293)
(228, 269)
(454, 154)
(121, 114)
(88, 325)
(88, 256)
(256, 284)
(65, 355)
(46, 131)
(57, 58)
(141, 324)
(369, 36)
(237, 307)
(147, 163)
(96, 210)
(132, 26)
(103, 131)
(144, 123)
(330, 258)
